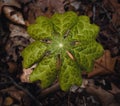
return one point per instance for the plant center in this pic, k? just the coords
(59, 45)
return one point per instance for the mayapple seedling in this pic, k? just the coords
(66, 37)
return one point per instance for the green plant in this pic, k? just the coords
(64, 38)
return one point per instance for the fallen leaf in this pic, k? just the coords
(8, 101)
(114, 7)
(43, 8)
(14, 92)
(12, 67)
(14, 47)
(15, 95)
(58, 5)
(4, 32)
(103, 65)
(13, 15)
(9, 2)
(26, 73)
(106, 98)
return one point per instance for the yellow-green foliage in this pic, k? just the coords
(65, 32)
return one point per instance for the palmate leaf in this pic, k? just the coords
(85, 54)
(83, 31)
(45, 71)
(42, 28)
(70, 74)
(63, 22)
(87, 49)
(33, 53)
(66, 33)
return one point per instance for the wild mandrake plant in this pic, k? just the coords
(64, 46)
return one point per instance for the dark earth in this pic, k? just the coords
(101, 87)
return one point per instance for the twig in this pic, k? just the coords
(5, 83)
(68, 102)
(21, 88)
(94, 12)
(49, 90)
(70, 55)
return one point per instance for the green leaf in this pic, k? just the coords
(63, 22)
(41, 29)
(86, 53)
(70, 74)
(83, 31)
(45, 72)
(65, 32)
(33, 53)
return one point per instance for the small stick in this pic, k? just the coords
(70, 55)
(21, 88)
(49, 90)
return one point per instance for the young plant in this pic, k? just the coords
(64, 46)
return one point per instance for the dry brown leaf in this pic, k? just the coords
(14, 92)
(103, 65)
(106, 98)
(57, 5)
(26, 73)
(9, 2)
(13, 15)
(15, 95)
(114, 7)
(12, 66)
(43, 8)
(8, 101)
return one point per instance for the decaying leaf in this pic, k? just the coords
(14, 95)
(13, 92)
(18, 31)
(26, 74)
(43, 8)
(9, 2)
(18, 39)
(4, 31)
(8, 101)
(14, 47)
(103, 65)
(106, 98)
(114, 7)
(58, 6)
(13, 15)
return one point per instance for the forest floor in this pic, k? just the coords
(102, 83)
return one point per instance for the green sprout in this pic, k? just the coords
(64, 46)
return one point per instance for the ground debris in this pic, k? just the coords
(103, 65)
